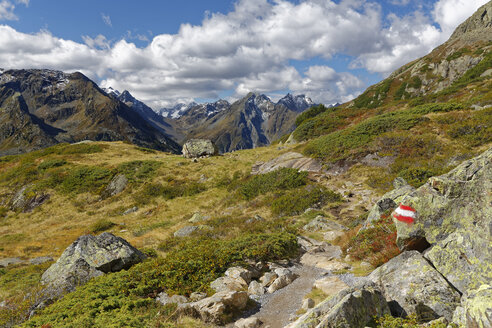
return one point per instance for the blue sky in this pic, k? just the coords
(166, 52)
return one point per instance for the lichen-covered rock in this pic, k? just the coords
(288, 160)
(115, 186)
(189, 230)
(225, 283)
(26, 199)
(390, 200)
(218, 309)
(350, 308)
(411, 285)
(458, 200)
(460, 258)
(194, 148)
(475, 309)
(90, 256)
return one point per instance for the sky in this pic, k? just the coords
(166, 52)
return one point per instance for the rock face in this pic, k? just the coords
(351, 308)
(475, 309)
(288, 160)
(195, 148)
(411, 285)
(90, 256)
(454, 216)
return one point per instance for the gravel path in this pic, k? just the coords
(277, 308)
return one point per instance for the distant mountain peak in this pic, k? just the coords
(298, 103)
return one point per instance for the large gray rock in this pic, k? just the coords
(411, 285)
(288, 160)
(350, 308)
(390, 200)
(115, 186)
(194, 148)
(91, 256)
(225, 283)
(475, 309)
(218, 309)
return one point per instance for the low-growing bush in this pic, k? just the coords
(310, 113)
(376, 244)
(170, 190)
(281, 179)
(51, 163)
(137, 171)
(295, 202)
(86, 179)
(102, 225)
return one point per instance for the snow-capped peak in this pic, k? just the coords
(298, 103)
(112, 92)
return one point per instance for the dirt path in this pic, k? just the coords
(277, 308)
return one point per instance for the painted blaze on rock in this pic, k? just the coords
(194, 148)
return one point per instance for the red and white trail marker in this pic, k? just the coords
(405, 214)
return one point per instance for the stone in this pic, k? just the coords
(475, 309)
(390, 200)
(26, 199)
(40, 260)
(307, 304)
(218, 309)
(225, 283)
(330, 285)
(332, 235)
(186, 231)
(256, 288)
(289, 160)
(251, 322)
(285, 277)
(254, 219)
(10, 261)
(321, 223)
(164, 299)
(239, 273)
(197, 217)
(411, 285)
(351, 307)
(115, 186)
(91, 256)
(196, 296)
(130, 210)
(268, 278)
(194, 148)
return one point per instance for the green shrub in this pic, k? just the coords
(295, 202)
(281, 179)
(102, 225)
(458, 54)
(401, 92)
(137, 171)
(416, 82)
(310, 113)
(412, 321)
(374, 96)
(171, 190)
(417, 176)
(51, 163)
(86, 179)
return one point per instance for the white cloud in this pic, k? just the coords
(107, 20)
(248, 49)
(24, 2)
(7, 10)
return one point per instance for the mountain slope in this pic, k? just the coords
(52, 107)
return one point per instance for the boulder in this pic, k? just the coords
(411, 285)
(251, 322)
(130, 210)
(197, 217)
(475, 309)
(288, 160)
(268, 278)
(26, 199)
(239, 273)
(164, 299)
(10, 261)
(115, 186)
(307, 304)
(330, 285)
(225, 283)
(91, 256)
(350, 308)
(218, 309)
(194, 148)
(256, 288)
(285, 277)
(390, 200)
(321, 223)
(196, 296)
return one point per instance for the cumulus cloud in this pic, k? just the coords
(7, 10)
(247, 49)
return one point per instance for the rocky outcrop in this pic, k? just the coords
(195, 148)
(350, 308)
(26, 199)
(411, 285)
(288, 160)
(115, 186)
(475, 309)
(90, 256)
